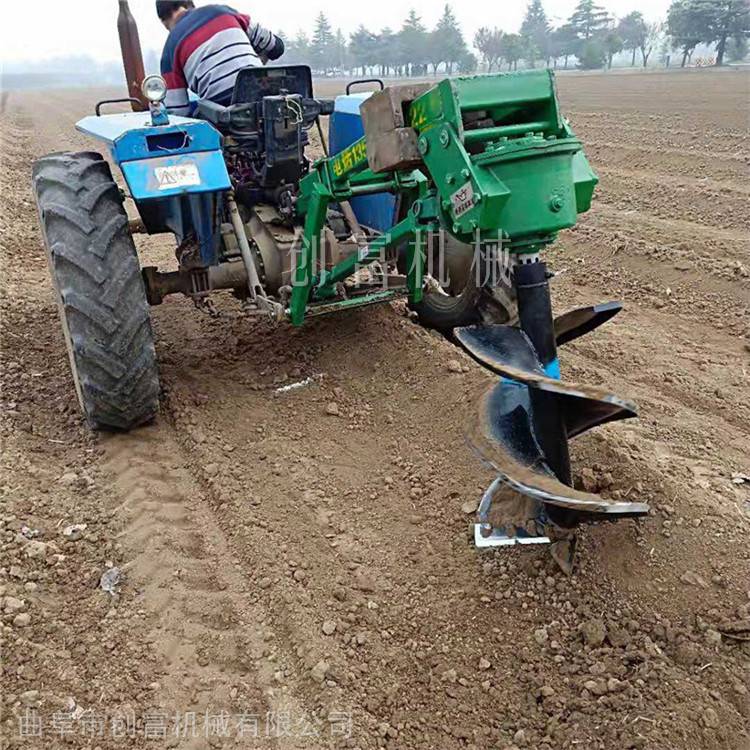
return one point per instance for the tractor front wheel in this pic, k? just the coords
(100, 293)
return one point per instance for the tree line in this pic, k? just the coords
(589, 39)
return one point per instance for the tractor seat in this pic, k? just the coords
(234, 117)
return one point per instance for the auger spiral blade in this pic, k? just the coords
(505, 434)
(508, 352)
(576, 323)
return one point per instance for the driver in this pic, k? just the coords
(206, 49)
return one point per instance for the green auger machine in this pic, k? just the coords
(495, 167)
(481, 173)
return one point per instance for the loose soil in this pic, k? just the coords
(308, 567)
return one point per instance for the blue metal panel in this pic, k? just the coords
(111, 127)
(181, 158)
(132, 135)
(349, 104)
(375, 211)
(193, 136)
(346, 122)
(552, 369)
(175, 172)
(202, 172)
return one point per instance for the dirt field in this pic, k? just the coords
(306, 577)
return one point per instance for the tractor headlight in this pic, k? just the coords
(154, 88)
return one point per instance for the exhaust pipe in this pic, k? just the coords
(132, 56)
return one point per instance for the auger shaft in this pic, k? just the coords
(535, 316)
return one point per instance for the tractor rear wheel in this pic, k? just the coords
(100, 293)
(461, 301)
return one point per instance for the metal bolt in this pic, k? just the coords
(449, 178)
(445, 138)
(556, 204)
(465, 174)
(424, 145)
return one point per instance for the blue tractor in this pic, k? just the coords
(226, 184)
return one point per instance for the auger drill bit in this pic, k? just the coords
(527, 418)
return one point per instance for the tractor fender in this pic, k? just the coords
(162, 161)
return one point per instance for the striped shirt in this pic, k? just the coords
(205, 51)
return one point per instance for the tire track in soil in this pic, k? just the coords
(705, 188)
(656, 142)
(669, 226)
(678, 206)
(316, 554)
(216, 648)
(732, 169)
(728, 143)
(708, 280)
(79, 645)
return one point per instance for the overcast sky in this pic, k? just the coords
(37, 29)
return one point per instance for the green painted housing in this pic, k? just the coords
(501, 140)
(498, 162)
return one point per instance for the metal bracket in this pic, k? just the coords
(499, 538)
(486, 535)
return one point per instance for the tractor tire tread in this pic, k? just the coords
(102, 298)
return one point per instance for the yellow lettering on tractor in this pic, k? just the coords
(350, 158)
